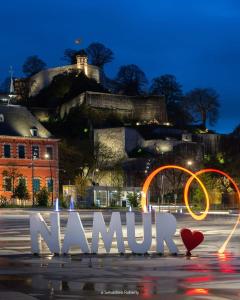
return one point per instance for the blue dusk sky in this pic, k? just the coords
(196, 40)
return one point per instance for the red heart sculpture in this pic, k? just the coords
(191, 239)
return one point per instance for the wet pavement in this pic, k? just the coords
(205, 275)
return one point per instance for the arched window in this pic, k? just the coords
(36, 184)
(7, 184)
(22, 180)
(49, 183)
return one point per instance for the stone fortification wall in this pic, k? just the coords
(211, 142)
(132, 139)
(111, 144)
(144, 108)
(45, 77)
(141, 108)
(122, 140)
(75, 102)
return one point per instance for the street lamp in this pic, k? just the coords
(47, 156)
(32, 167)
(189, 163)
(93, 175)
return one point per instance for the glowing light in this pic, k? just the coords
(202, 216)
(71, 204)
(56, 205)
(223, 247)
(199, 279)
(149, 179)
(193, 292)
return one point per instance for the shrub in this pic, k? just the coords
(42, 197)
(3, 201)
(133, 199)
(64, 203)
(21, 191)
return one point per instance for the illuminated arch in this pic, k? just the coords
(160, 169)
(186, 189)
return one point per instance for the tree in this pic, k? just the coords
(32, 65)
(133, 199)
(71, 54)
(21, 191)
(99, 55)
(130, 80)
(42, 197)
(203, 105)
(12, 173)
(168, 86)
(82, 183)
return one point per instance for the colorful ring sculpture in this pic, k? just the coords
(223, 247)
(203, 215)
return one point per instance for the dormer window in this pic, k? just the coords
(1, 118)
(34, 131)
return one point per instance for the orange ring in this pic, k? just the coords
(158, 170)
(186, 189)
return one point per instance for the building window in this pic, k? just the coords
(21, 151)
(101, 198)
(7, 151)
(34, 131)
(49, 152)
(35, 152)
(22, 180)
(7, 184)
(50, 185)
(36, 185)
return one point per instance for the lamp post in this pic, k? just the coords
(93, 175)
(33, 200)
(32, 166)
(51, 177)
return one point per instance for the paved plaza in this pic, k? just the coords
(206, 275)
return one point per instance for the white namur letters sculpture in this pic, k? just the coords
(39, 228)
(147, 233)
(75, 234)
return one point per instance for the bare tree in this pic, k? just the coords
(168, 86)
(70, 55)
(12, 173)
(203, 105)
(32, 65)
(99, 55)
(130, 80)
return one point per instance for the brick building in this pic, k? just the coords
(27, 150)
